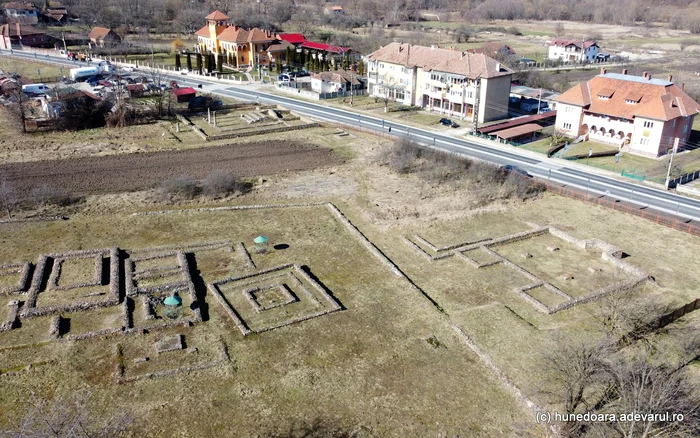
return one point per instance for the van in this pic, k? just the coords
(284, 78)
(35, 89)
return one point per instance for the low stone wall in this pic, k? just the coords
(361, 237)
(189, 123)
(187, 276)
(232, 207)
(262, 131)
(17, 268)
(246, 255)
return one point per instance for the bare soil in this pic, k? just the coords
(120, 173)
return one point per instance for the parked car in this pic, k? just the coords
(129, 69)
(35, 89)
(284, 78)
(303, 74)
(508, 168)
(184, 71)
(448, 122)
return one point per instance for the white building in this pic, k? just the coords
(441, 80)
(335, 81)
(573, 51)
(639, 114)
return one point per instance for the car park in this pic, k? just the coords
(448, 122)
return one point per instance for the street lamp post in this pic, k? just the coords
(670, 163)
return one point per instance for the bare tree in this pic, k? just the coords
(572, 372)
(69, 417)
(18, 107)
(638, 385)
(8, 197)
(159, 93)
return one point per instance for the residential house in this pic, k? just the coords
(494, 50)
(238, 46)
(54, 14)
(443, 80)
(16, 35)
(21, 12)
(573, 51)
(640, 114)
(335, 81)
(101, 37)
(333, 10)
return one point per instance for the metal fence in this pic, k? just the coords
(655, 216)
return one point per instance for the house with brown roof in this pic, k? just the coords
(335, 81)
(21, 12)
(16, 35)
(333, 10)
(493, 49)
(638, 114)
(101, 36)
(444, 80)
(567, 50)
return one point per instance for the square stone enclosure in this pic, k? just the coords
(273, 298)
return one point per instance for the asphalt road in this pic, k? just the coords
(547, 169)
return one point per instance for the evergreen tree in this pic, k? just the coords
(177, 61)
(189, 61)
(199, 63)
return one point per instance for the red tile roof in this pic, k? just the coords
(656, 99)
(98, 32)
(15, 29)
(203, 32)
(256, 35)
(22, 6)
(217, 16)
(294, 38)
(234, 34)
(324, 47)
(517, 131)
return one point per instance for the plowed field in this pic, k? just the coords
(129, 172)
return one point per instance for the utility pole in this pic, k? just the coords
(670, 163)
(352, 79)
(539, 101)
(477, 102)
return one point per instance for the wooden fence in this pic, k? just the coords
(678, 313)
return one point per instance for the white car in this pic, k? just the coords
(129, 69)
(184, 71)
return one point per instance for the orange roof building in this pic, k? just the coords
(639, 114)
(102, 36)
(238, 46)
(442, 80)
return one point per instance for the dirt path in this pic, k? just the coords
(118, 173)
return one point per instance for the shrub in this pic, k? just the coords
(184, 187)
(220, 183)
(46, 195)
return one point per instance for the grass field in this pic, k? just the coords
(333, 360)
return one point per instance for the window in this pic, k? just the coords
(569, 109)
(685, 129)
(381, 65)
(674, 123)
(648, 124)
(470, 94)
(644, 141)
(567, 125)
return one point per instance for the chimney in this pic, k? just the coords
(498, 67)
(432, 47)
(683, 86)
(624, 71)
(603, 71)
(644, 75)
(670, 78)
(649, 77)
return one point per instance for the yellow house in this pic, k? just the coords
(238, 46)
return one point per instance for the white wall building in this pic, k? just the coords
(571, 50)
(639, 114)
(440, 80)
(335, 81)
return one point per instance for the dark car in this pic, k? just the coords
(508, 168)
(448, 122)
(303, 74)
